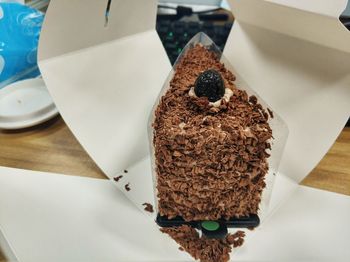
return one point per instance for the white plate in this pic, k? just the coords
(25, 103)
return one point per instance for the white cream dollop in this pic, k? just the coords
(226, 97)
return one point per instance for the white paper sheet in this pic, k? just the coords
(317, 22)
(311, 226)
(49, 217)
(73, 25)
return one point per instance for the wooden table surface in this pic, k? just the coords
(51, 147)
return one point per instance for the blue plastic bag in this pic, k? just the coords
(20, 27)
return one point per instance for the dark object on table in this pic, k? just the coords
(243, 222)
(345, 20)
(175, 31)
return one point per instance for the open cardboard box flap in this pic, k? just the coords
(48, 217)
(105, 79)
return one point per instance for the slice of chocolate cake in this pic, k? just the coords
(210, 143)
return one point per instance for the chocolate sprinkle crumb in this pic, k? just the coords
(203, 248)
(251, 228)
(117, 178)
(253, 100)
(127, 187)
(148, 207)
(236, 239)
(125, 171)
(210, 164)
(270, 112)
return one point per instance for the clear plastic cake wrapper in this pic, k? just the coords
(278, 126)
(139, 181)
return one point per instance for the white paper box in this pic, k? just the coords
(295, 54)
(49, 217)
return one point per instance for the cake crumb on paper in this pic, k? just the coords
(203, 248)
(270, 112)
(117, 178)
(148, 207)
